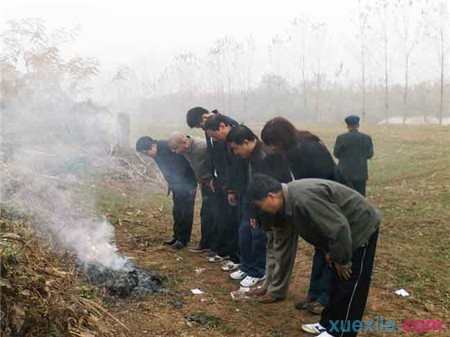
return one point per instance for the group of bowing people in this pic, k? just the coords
(260, 194)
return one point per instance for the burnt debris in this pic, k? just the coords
(127, 282)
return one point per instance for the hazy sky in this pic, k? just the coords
(132, 31)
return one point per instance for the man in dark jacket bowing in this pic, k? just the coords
(181, 182)
(224, 214)
(256, 158)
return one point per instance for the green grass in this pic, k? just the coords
(409, 182)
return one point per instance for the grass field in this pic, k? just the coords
(409, 181)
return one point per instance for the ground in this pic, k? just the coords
(410, 182)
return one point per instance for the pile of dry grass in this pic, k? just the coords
(41, 294)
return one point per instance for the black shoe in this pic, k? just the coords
(303, 305)
(170, 242)
(178, 245)
(198, 250)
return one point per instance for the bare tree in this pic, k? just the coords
(319, 35)
(247, 63)
(410, 24)
(33, 53)
(438, 25)
(383, 18)
(224, 56)
(301, 32)
(363, 30)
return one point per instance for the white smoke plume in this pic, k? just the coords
(53, 149)
(55, 143)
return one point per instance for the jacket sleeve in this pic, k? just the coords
(333, 225)
(278, 168)
(369, 147)
(338, 146)
(236, 176)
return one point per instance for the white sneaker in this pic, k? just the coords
(325, 334)
(229, 266)
(238, 275)
(314, 329)
(249, 281)
(216, 258)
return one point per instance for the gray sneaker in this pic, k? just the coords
(178, 245)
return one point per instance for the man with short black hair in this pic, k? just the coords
(353, 149)
(181, 182)
(252, 238)
(227, 168)
(342, 223)
(196, 117)
(225, 214)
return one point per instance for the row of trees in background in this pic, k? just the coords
(391, 62)
(43, 92)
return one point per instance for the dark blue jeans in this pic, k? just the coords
(321, 274)
(252, 246)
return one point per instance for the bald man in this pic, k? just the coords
(196, 153)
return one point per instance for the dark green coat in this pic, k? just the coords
(330, 216)
(353, 149)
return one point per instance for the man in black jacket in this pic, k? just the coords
(257, 158)
(225, 215)
(227, 167)
(181, 182)
(353, 149)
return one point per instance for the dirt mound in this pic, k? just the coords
(41, 293)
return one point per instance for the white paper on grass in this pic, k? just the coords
(197, 291)
(401, 292)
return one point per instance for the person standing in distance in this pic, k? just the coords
(353, 149)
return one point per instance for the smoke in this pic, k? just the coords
(54, 149)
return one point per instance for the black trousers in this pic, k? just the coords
(348, 298)
(360, 186)
(207, 219)
(227, 227)
(183, 213)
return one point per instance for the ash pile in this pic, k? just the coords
(130, 281)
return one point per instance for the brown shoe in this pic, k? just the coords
(267, 299)
(257, 292)
(315, 308)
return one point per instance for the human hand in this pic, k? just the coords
(232, 198)
(344, 271)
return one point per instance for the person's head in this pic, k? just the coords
(179, 142)
(196, 117)
(352, 122)
(242, 141)
(280, 134)
(217, 127)
(266, 193)
(147, 146)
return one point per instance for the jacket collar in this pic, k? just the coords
(192, 146)
(287, 204)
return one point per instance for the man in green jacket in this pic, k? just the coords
(353, 149)
(342, 223)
